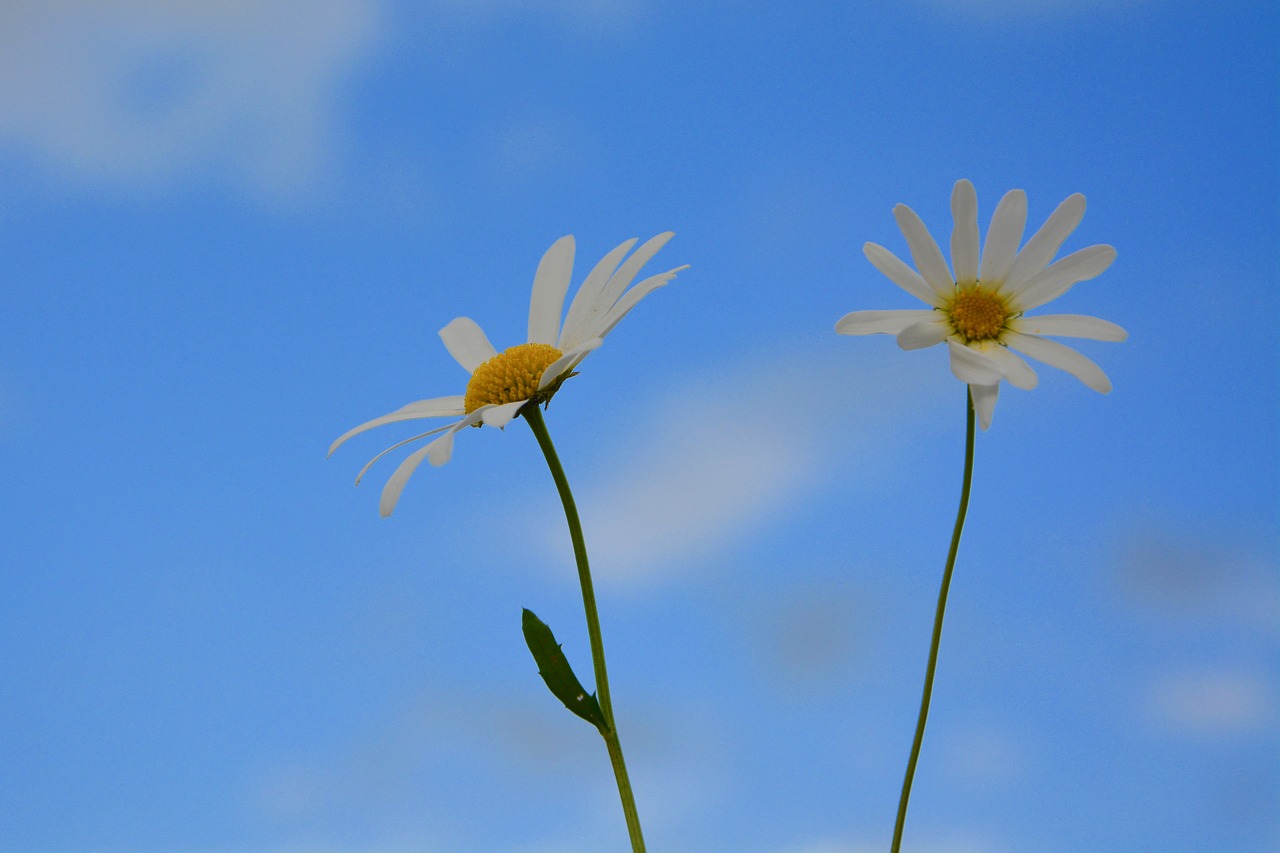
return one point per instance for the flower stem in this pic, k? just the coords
(533, 415)
(937, 631)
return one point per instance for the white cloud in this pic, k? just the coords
(699, 484)
(593, 16)
(983, 757)
(1212, 701)
(736, 450)
(143, 91)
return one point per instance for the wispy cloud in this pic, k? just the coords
(737, 449)
(1212, 701)
(142, 92)
(593, 16)
(983, 756)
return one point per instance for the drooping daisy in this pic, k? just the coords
(980, 309)
(501, 383)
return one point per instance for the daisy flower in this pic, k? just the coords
(979, 310)
(501, 383)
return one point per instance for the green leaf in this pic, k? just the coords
(554, 668)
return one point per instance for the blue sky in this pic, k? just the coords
(229, 232)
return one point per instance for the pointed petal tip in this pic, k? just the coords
(984, 409)
(387, 503)
(656, 242)
(984, 402)
(338, 443)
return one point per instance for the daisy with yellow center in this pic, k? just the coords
(978, 305)
(515, 382)
(502, 383)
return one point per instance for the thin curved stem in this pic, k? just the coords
(937, 630)
(533, 415)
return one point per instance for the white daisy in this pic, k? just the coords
(501, 383)
(979, 310)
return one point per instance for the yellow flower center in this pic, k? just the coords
(977, 314)
(511, 375)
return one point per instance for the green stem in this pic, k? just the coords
(937, 631)
(533, 415)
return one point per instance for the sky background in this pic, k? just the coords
(230, 231)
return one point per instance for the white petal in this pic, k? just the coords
(883, 322)
(392, 490)
(1061, 276)
(1003, 236)
(1044, 244)
(550, 284)
(1061, 357)
(397, 446)
(633, 296)
(984, 402)
(926, 333)
(500, 416)
(437, 452)
(437, 407)
(467, 343)
(440, 451)
(924, 251)
(567, 362)
(605, 300)
(900, 274)
(579, 316)
(973, 367)
(1070, 326)
(964, 237)
(1014, 368)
